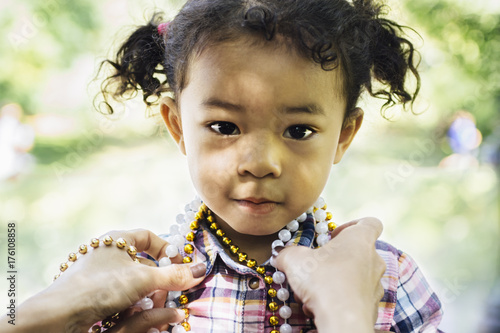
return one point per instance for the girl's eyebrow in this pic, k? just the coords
(306, 108)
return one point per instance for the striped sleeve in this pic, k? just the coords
(418, 309)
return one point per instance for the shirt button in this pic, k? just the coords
(254, 283)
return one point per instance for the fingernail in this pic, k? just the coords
(198, 270)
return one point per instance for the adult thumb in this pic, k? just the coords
(178, 276)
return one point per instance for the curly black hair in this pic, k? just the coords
(350, 34)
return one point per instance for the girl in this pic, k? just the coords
(262, 101)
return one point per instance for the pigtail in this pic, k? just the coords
(136, 67)
(393, 57)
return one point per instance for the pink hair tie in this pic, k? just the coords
(163, 27)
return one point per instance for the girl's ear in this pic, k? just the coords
(348, 133)
(172, 119)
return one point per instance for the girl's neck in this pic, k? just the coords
(256, 247)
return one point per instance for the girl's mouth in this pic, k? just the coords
(258, 206)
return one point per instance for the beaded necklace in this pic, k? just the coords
(189, 223)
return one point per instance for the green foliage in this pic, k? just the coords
(470, 45)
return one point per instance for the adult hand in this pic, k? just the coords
(339, 283)
(106, 281)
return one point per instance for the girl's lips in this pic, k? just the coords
(257, 206)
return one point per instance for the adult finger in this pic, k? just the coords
(175, 277)
(372, 225)
(144, 320)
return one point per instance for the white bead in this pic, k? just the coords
(302, 217)
(184, 229)
(173, 295)
(285, 328)
(171, 304)
(278, 277)
(320, 215)
(283, 294)
(153, 330)
(146, 303)
(163, 332)
(321, 228)
(310, 210)
(178, 329)
(285, 312)
(180, 218)
(272, 261)
(187, 208)
(277, 242)
(293, 226)
(322, 239)
(171, 251)
(178, 241)
(165, 261)
(189, 216)
(285, 235)
(195, 204)
(319, 203)
(174, 229)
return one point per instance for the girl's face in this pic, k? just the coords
(261, 128)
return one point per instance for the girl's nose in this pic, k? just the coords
(259, 157)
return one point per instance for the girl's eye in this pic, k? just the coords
(298, 132)
(225, 128)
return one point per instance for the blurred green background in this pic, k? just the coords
(68, 173)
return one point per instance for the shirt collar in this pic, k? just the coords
(209, 246)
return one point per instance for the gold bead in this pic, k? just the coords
(198, 216)
(116, 316)
(56, 276)
(275, 331)
(315, 209)
(227, 241)
(203, 208)
(234, 249)
(188, 248)
(272, 292)
(273, 306)
(107, 240)
(273, 320)
(268, 279)
(132, 251)
(186, 326)
(107, 324)
(261, 270)
(183, 299)
(242, 256)
(210, 218)
(72, 257)
(96, 329)
(194, 225)
(214, 226)
(251, 263)
(328, 216)
(190, 236)
(63, 267)
(83, 249)
(94, 242)
(186, 312)
(187, 260)
(324, 207)
(220, 233)
(331, 226)
(121, 243)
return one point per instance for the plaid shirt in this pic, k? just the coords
(226, 302)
